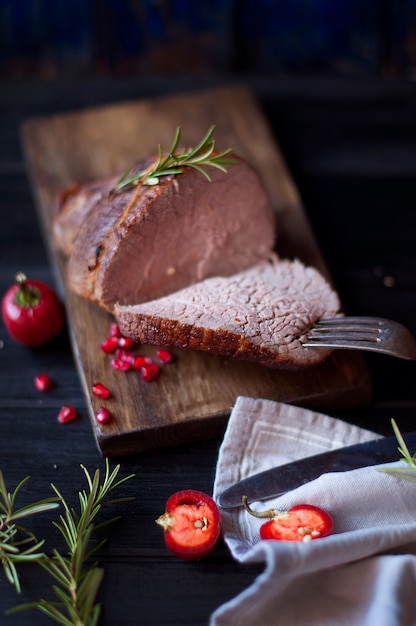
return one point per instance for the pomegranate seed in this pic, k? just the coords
(102, 415)
(109, 345)
(120, 364)
(164, 355)
(125, 342)
(139, 361)
(124, 355)
(149, 371)
(66, 414)
(100, 390)
(115, 331)
(42, 382)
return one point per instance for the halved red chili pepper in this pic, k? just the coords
(192, 524)
(302, 522)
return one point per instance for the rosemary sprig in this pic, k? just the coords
(406, 473)
(200, 157)
(17, 543)
(77, 579)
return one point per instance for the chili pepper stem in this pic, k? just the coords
(21, 279)
(166, 521)
(269, 513)
(27, 296)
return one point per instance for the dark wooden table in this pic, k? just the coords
(351, 147)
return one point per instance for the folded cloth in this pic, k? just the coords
(363, 574)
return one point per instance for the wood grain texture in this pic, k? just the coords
(192, 398)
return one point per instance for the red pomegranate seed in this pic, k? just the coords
(66, 414)
(109, 345)
(120, 364)
(115, 331)
(124, 355)
(42, 382)
(164, 355)
(125, 342)
(100, 390)
(149, 371)
(102, 415)
(140, 360)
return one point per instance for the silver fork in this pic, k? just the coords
(363, 333)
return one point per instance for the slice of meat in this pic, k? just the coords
(261, 314)
(177, 233)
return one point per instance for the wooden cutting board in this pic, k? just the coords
(192, 398)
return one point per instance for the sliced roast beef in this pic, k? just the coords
(175, 234)
(261, 314)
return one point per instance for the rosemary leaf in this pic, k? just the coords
(175, 142)
(400, 472)
(52, 612)
(58, 568)
(88, 591)
(67, 531)
(202, 171)
(10, 497)
(405, 473)
(32, 509)
(207, 140)
(30, 553)
(65, 599)
(403, 449)
(11, 573)
(7, 548)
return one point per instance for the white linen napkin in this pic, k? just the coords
(363, 574)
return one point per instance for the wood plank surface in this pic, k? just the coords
(192, 398)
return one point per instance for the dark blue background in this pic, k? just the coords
(78, 37)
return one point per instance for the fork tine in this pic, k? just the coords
(349, 335)
(374, 334)
(347, 328)
(353, 322)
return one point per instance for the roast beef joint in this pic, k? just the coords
(176, 233)
(188, 261)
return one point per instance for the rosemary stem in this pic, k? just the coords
(202, 156)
